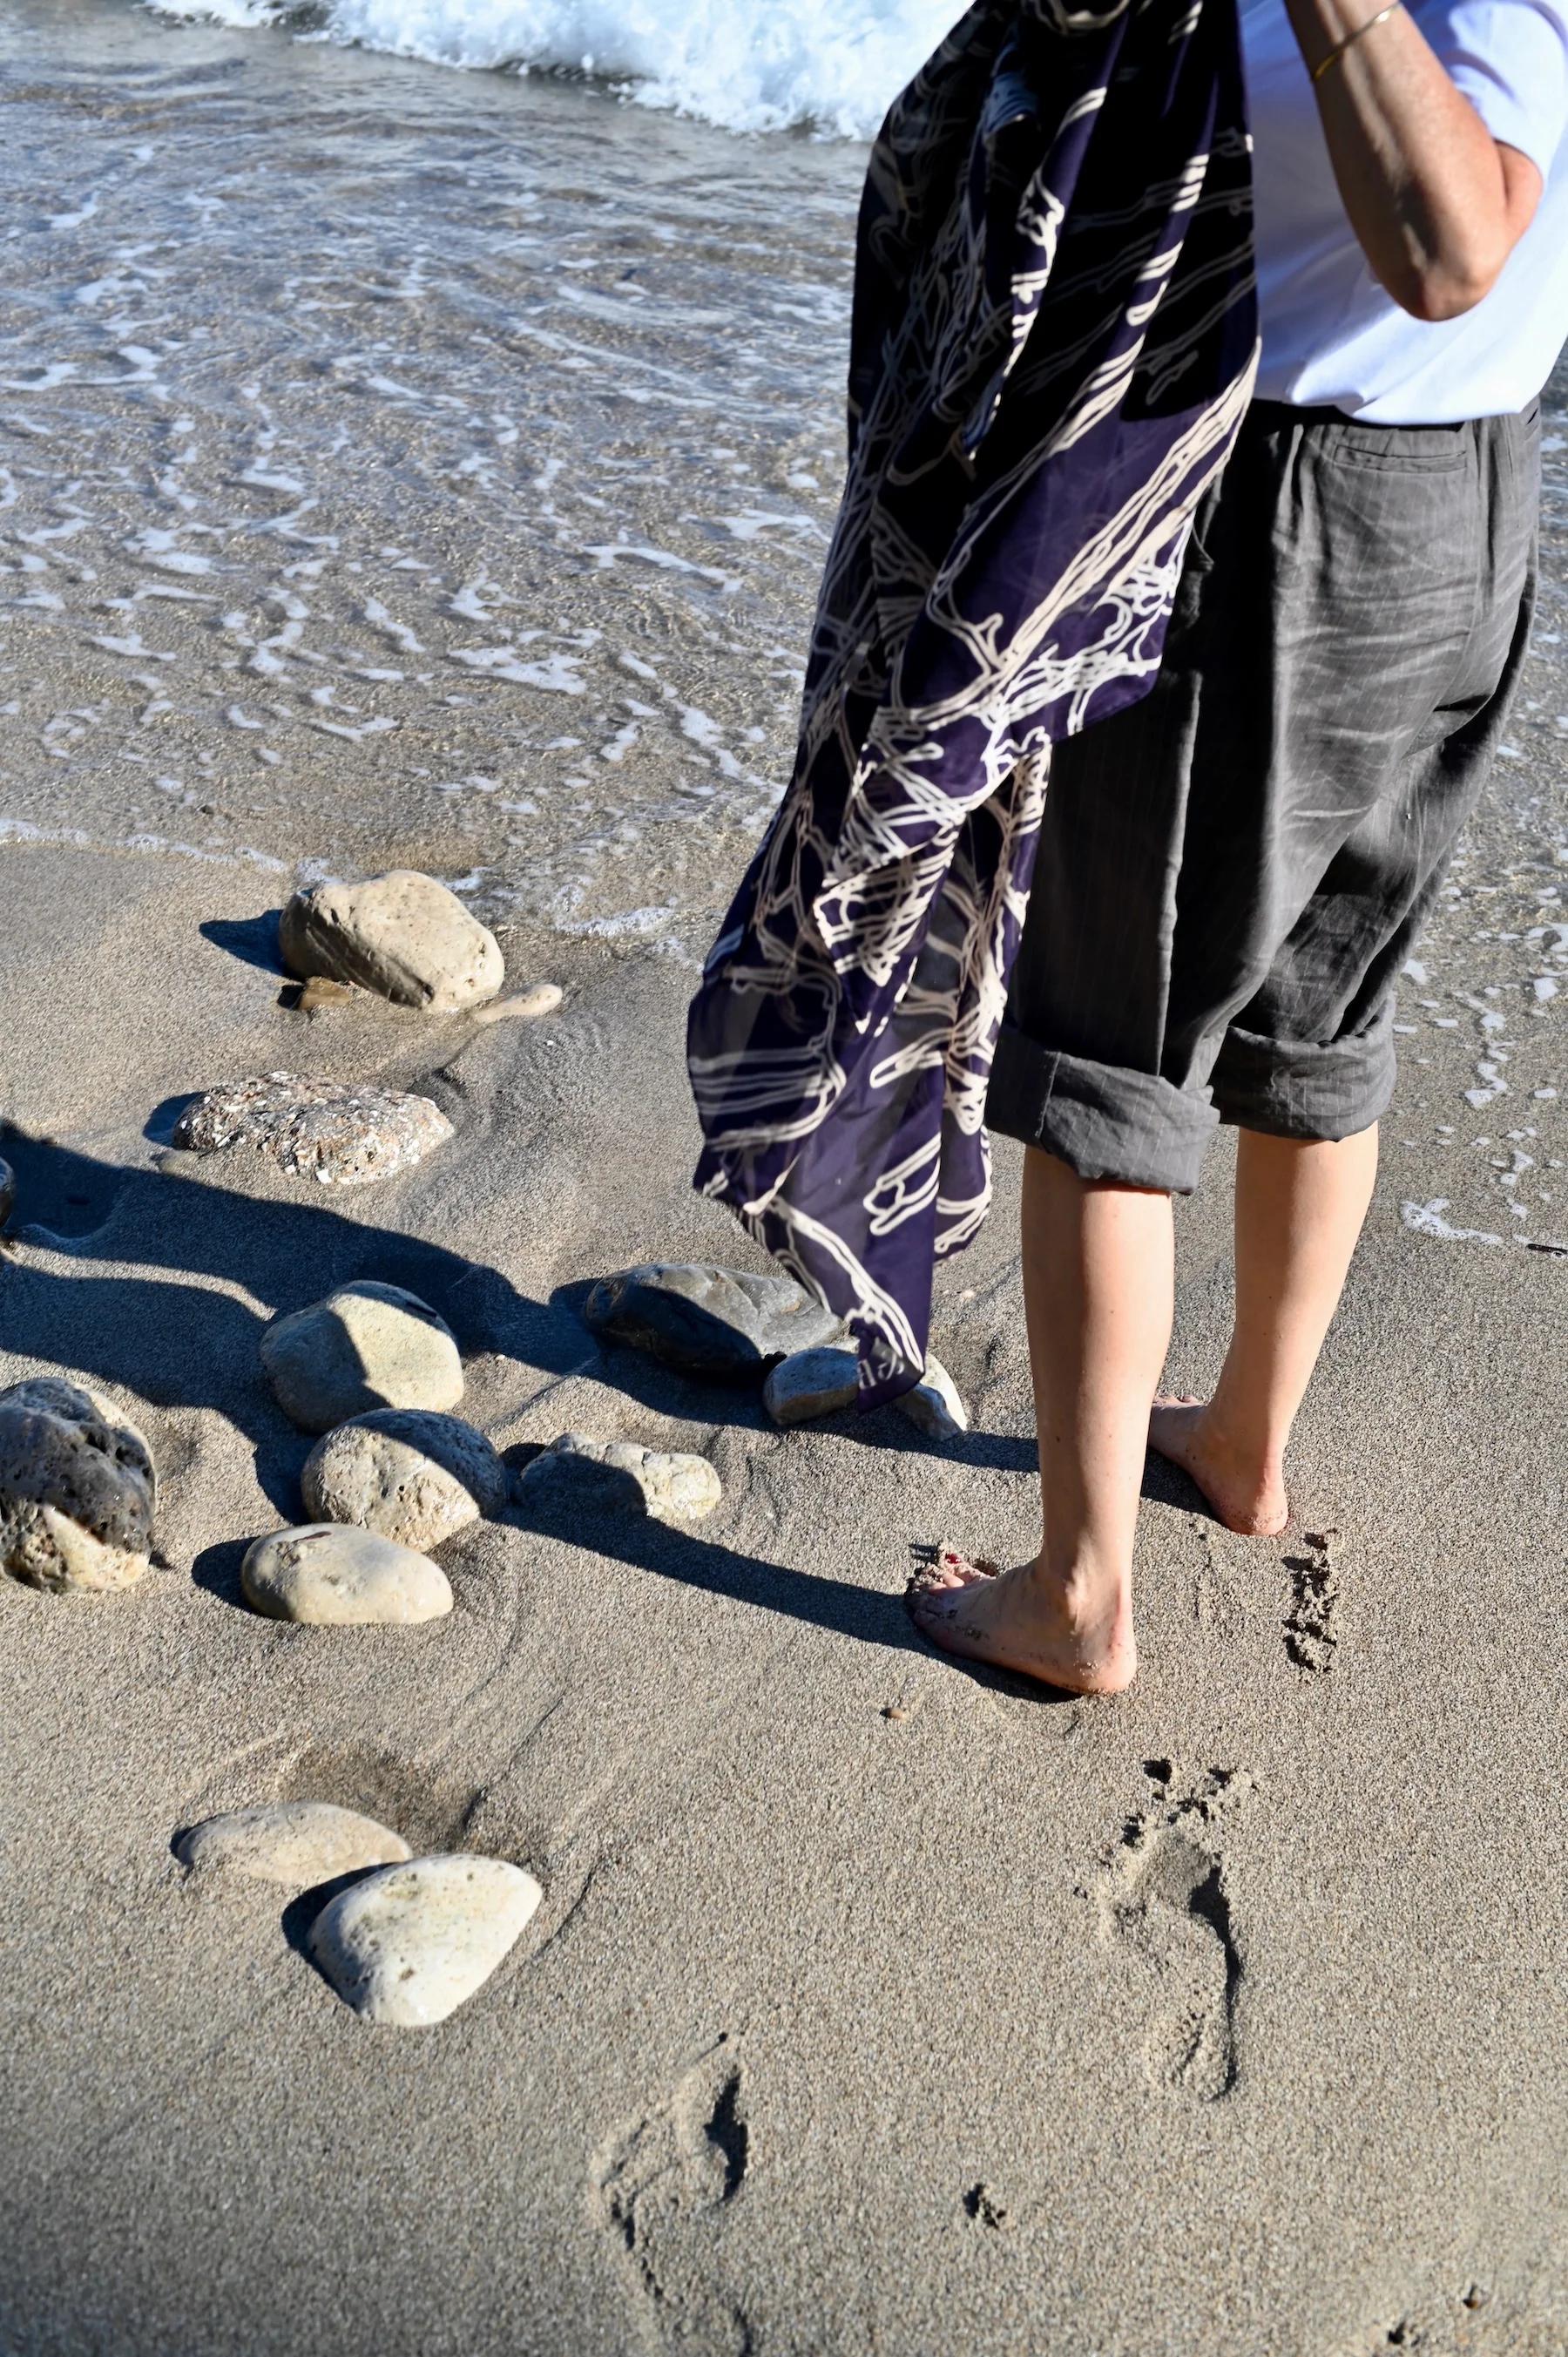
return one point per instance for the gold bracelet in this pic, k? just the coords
(1350, 40)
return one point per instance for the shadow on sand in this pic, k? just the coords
(177, 1344)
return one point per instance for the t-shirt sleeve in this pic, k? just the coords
(1509, 58)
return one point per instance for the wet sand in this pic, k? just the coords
(872, 2004)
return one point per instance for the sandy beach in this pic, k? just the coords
(420, 469)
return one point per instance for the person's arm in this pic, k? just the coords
(1436, 203)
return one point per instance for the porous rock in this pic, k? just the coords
(293, 1842)
(341, 1133)
(329, 1575)
(411, 1476)
(403, 935)
(77, 1489)
(408, 1945)
(935, 1404)
(809, 1384)
(708, 1320)
(366, 1346)
(671, 1486)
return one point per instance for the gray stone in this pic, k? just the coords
(293, 1842)
(7, 1191)
(935, 1404)
(332, 1576)
(366, 1346)
(670, 1486)
(525, 1007)
(407, 1946)
(341, 1133)
(77, 1489)
(811, 1383)
(410, 1476)
(403, 935)
(709, 1321)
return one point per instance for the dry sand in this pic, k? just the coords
(873, 2005)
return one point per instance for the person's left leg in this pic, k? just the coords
(1097, 1288)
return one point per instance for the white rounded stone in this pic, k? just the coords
(811, 1383)
(407, 1946)
(671, 1486)
(365, 1346)
(293, 1842)
(77, 1489)
(331, 1575)
(935, 1404)
(407, 1475)
(403, 935)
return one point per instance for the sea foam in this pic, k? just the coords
(750, 65)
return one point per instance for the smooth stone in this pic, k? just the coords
(77, 1489)
(525, 1007)
(365, 1346)
(7, 1193)
(409, 1945)
(935, 1404)
(331, 1575)
(670, 1485)
(707, 1320)
(341, 1133)
(404, 1474)
(295, 1841)
(811, 1383)
(403, 935)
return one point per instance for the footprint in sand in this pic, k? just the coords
(1310, 1634)
(657, 2183)
(1164, 1893)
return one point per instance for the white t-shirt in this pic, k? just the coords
(1330, 335)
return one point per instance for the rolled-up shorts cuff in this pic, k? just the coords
(1296, 1088)
(1102, 1121)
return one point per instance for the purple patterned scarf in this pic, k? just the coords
(1053, 344)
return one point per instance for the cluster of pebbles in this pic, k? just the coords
(375, 1375)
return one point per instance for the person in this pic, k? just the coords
(1233, 870)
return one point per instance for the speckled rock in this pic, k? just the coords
(708, 1321)
(403, 935)
(341, 1133)
(407, 1946)
(410, 1476)
(671, 1486)
(7, 1191)
(366, 1346)
(77, 1489)
(811, 1383)
(935, 1404)
(294, 1841)
(331, 1575)
(523, 1006)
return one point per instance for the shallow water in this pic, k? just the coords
(407, 462)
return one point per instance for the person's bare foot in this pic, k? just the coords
(1026, 1620)
(1248, 1499)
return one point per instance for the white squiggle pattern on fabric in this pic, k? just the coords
(1047, 369)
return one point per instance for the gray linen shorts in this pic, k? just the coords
(1232, 871)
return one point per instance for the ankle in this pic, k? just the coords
(1237, 1440)
(1091, 1595)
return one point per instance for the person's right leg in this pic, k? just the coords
(1300, 1205)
